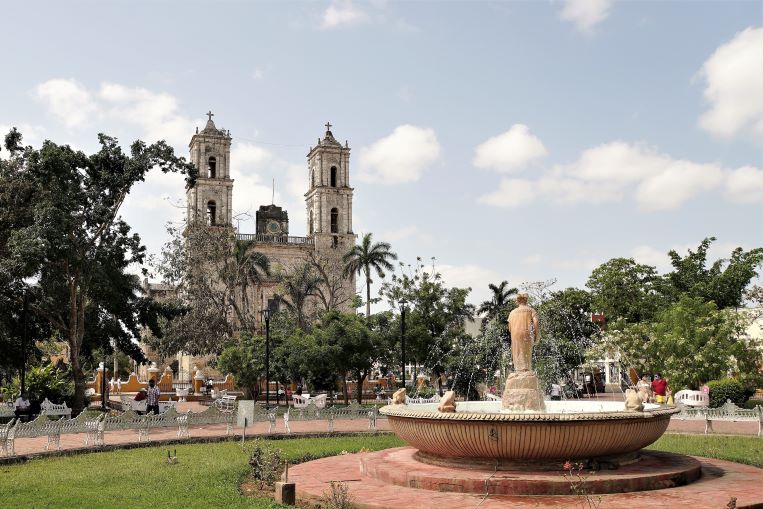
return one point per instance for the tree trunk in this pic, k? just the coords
(368, 297)
(79, 387)
(361, 378)
(344, 388)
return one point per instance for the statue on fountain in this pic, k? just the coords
(522, 392)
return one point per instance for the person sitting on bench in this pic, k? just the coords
(22, 407)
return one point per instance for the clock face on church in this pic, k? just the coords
(273, 227)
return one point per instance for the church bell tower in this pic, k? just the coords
(329, 195)
(210, 200)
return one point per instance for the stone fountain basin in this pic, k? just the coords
(479, 434)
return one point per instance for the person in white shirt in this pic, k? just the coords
(22, 406)
(556, 392)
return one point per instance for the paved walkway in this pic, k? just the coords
(76, 441)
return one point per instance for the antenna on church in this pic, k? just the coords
(273, 199)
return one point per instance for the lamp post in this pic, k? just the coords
(403, 302)
(23, 340)
(266, 317)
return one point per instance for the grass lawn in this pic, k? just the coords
(208, 475)
(740, 449)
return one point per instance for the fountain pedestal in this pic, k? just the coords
(522, 393)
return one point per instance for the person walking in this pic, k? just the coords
(152, 397)
(556, 392)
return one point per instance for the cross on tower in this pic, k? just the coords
(210, 115)
(328, 126)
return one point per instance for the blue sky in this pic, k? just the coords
(510, 140)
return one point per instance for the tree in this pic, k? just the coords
(213, 274)
(437, 314)
(724, 282)
(65, 231)
(499, 304)
(567, 333)
(246, 361)
(690, 342)
(626, 290)
(332, 292)
(366, 257)
(298, 285)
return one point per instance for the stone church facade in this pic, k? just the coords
(328, 200)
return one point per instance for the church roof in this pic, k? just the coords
(329, 139)
(211, 129)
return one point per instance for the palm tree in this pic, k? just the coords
(498, 303)
(248, 267)
(365, 257)
(297, 285)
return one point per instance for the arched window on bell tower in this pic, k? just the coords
(333, 176)
(211, 213)
(212, 167)
(335, 220)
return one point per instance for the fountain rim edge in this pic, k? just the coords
(405, 411)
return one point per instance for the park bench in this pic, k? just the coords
(728, 412)
(226, 403)
(312, 413)
(300, 401)
(55, 410)
(420, 401)
(42, 426)
(4, 429)
(692, 398)
(7, 410)
(212, 415)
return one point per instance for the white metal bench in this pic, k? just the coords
(300, 401)
(226, 403)
(55, 410)
(730, 412)
(4, 430)
(7, 410)
(692, 398)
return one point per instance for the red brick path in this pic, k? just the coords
(720, 481)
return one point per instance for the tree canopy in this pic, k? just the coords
(60, 226)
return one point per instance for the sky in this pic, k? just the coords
(517, 141)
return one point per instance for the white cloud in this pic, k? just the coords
(745, 185)
(511, 193)
(586, 14)
(734, 76)
(343, 13)
(677, 183)
(154, 113)
(614, 171)
(471, 276)
(509, 151)
(400, 157)
(68, 100)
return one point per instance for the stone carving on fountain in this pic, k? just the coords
(522, 392)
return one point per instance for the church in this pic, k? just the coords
(328, 200)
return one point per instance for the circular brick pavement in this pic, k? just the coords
(719, 482)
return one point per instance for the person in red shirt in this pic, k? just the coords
(659, 386)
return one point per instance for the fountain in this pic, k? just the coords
(514, 450)
(522, 430)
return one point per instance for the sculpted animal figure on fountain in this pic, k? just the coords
(398, 398)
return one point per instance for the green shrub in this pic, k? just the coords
(46, 381)
(726, 389)
(266, 462)
(752, 403)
